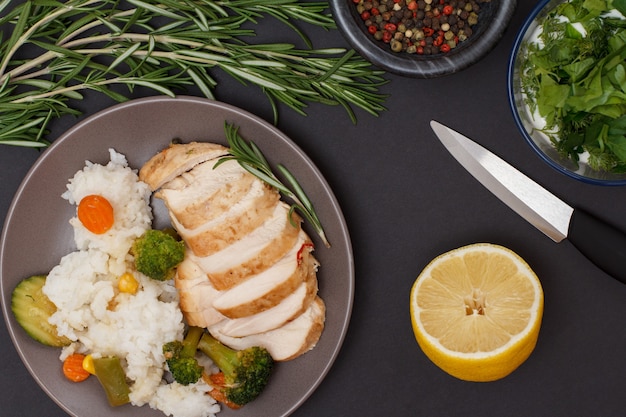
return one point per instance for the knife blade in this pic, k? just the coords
(601, 243)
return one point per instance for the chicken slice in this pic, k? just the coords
(253, 253)
(233, 217)
(202, 194)
(288, 309)
(287, 342)
(176, 159)
(196, 295)
(270, 287)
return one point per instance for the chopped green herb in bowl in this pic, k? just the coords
(567, 87)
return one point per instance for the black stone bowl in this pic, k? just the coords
(493, 20)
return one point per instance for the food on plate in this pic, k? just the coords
(249, 274)
(73, 368)
(243, 373)
(476, 311)
(252, 159)
(117, 183)
(116, 305)
(157, 254)
(88, 364)
(286, 342)
(128, 283)
(32, 309)
(95, 213)
(180, 356)
(242, 376)
(572, 76)
(119, 327)
(112, 377)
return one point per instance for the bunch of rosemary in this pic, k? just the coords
(58, 50)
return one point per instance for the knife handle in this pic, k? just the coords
(601, 243)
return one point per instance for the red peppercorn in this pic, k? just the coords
(444, 48)
(365, 15)
(372, 29)
(428, 31)
(438, 41)
(391, 27)
(387, 37)
(375, 11)
(412, 5)
(448, 10)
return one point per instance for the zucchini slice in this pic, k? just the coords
(32, 309)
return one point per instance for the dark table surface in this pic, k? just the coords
(405, 201)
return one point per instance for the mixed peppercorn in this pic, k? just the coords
(423, 27)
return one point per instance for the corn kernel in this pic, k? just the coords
(88, 364)
(127, 283)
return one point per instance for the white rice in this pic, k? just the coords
(104, 322)
(119, 184)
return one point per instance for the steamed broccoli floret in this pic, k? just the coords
(244, 373)
(157, 254)
(180, 357)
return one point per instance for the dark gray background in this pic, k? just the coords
(406, 201)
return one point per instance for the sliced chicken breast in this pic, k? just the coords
(233, 217)
(289, 341)
(249, 274)
(205, 192)
(253, 253)
(288, 309)
(268, 288)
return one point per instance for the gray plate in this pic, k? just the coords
(36, 235)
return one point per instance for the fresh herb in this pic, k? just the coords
(575, 78)
(58, 50)
(250, 157)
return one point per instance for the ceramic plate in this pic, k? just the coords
(36, 235)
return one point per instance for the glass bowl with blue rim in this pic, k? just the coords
(493, 19)
(549, 143)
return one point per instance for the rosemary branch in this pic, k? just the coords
(250, 157)
(58, 50)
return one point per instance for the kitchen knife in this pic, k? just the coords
(601, 243)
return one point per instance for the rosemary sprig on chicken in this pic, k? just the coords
(250, 157)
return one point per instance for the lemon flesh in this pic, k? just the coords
(476, 311)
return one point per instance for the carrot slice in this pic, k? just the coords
(96, 214)
(73, 368)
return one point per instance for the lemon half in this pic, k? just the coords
(476, 311)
